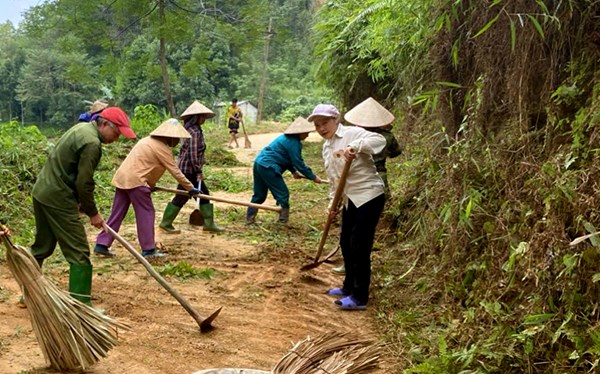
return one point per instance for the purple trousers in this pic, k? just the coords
(141, 200)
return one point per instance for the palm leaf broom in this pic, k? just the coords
(331, 352)
(72, 335)
(327, 353)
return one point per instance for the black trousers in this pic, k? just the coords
(356, 241)
(180, 200)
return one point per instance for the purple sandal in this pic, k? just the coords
(337, 292)
(350, 303)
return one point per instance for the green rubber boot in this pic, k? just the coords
(209, 221)
(169, 215)
(80, 283)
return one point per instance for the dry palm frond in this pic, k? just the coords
(71, 334)
(331, 353)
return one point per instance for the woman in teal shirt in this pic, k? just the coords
(284, 153)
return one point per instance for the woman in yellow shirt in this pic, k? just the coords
(234, 117)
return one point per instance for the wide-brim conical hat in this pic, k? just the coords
(299, 126)
(197, 108)
(369, 113)
(171, 128)
(98, 106)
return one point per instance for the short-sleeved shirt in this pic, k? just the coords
(235, 112)
(67, 178)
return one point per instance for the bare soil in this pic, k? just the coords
(268, 304)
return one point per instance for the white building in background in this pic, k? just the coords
(248, 110)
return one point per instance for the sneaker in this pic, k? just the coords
(103, 251)
(341, 270)
(152, 253)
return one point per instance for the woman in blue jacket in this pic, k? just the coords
(284, 153)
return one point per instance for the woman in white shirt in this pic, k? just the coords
(363, 199)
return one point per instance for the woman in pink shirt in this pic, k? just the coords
(134, 181)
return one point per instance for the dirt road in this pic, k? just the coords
(268, 305)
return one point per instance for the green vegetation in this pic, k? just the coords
(502, 146)
(185, 270)
(164, 53)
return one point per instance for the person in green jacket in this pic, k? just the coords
(283, 153)
(65, 187)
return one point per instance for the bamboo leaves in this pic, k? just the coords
(487, 26)
(536, 24)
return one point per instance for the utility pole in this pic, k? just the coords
(263, 75)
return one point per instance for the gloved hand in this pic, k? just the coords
(193, 191)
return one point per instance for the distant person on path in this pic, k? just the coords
(95, 110)
(283, 153)
(65, 187)
(372, 116)
(190, 162)
(134, 180)
(234, 117)
(363, 198)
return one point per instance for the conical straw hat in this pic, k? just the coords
(369, 113)
(299, 126)
(98, 106)
(197, 108)
(171, 128)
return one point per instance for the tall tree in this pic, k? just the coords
(163, 58)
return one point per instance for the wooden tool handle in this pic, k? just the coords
(156, 275)
(220, 199)
(337, 197)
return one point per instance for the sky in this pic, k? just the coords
(10, 10)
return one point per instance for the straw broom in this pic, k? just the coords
(328, 353)
(71, 334)
(331, 352)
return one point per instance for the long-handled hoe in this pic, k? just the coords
(337, 198)
(220, 199)
(204, 323)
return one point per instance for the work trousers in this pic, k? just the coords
(356, 241)
(265, 180)
(140, 198)
(180, 200)
(62, 226)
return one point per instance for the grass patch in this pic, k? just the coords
(185, 270)
(224, 180)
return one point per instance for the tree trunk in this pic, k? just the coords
(263, 76)
(163, 60)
